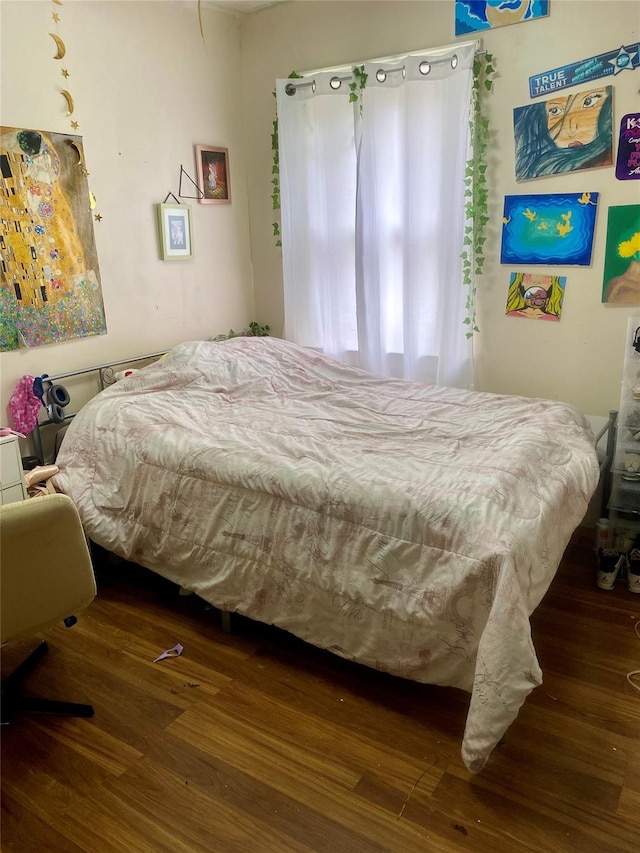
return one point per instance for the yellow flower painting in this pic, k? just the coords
(621, 280)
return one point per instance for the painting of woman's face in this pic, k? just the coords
(573, 119)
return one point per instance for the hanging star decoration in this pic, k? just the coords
(61, 50)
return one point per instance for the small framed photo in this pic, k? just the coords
(212, 165)
(174, 232)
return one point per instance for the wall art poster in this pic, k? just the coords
(567, 133)
(578, 73)
(175, 232)
(474, 15)
(621, 279)
(534, 296)
(214, 181)
(548, 229)
(49, 279)
(628, 160)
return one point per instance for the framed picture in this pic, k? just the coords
(549, 229)
(212, 166)
(174, 232)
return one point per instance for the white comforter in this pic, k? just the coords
(413, 528)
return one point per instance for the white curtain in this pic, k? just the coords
(372, 201)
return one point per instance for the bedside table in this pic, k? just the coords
(12, 486)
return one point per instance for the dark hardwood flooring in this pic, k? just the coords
(257, 742)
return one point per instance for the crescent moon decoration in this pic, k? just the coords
(76, 148)
(60, 45)
(70, 105)
(92, 200)
(57, 2)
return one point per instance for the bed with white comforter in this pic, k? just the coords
(412, 528)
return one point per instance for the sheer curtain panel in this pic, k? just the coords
(318, 203)
(373, 216)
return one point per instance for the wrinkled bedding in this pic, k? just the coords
(413, 528)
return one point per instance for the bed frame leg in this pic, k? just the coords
(226, 621)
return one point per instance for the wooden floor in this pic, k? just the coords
(256, 742)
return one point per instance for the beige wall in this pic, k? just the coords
(579, 359)
(146, 89)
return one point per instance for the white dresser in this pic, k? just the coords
(12, 486)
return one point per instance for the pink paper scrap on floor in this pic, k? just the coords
(170, 653)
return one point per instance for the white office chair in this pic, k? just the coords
(46, 577)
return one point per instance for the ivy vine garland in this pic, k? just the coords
(476, 193)
(357, 85)
(275, 168)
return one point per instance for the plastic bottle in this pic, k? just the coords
(602, 533)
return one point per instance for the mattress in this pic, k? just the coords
(412, 528)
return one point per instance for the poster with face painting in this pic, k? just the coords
(628, 161)
(535, 296)
(50, 288)
(567, 133)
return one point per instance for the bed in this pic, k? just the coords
(412, 528)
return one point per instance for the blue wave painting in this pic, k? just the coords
(474, 15)
(549, 229)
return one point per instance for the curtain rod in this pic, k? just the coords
(398, 56)
(336, 81)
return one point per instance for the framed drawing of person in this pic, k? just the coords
(175, 234)
(212, 167)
